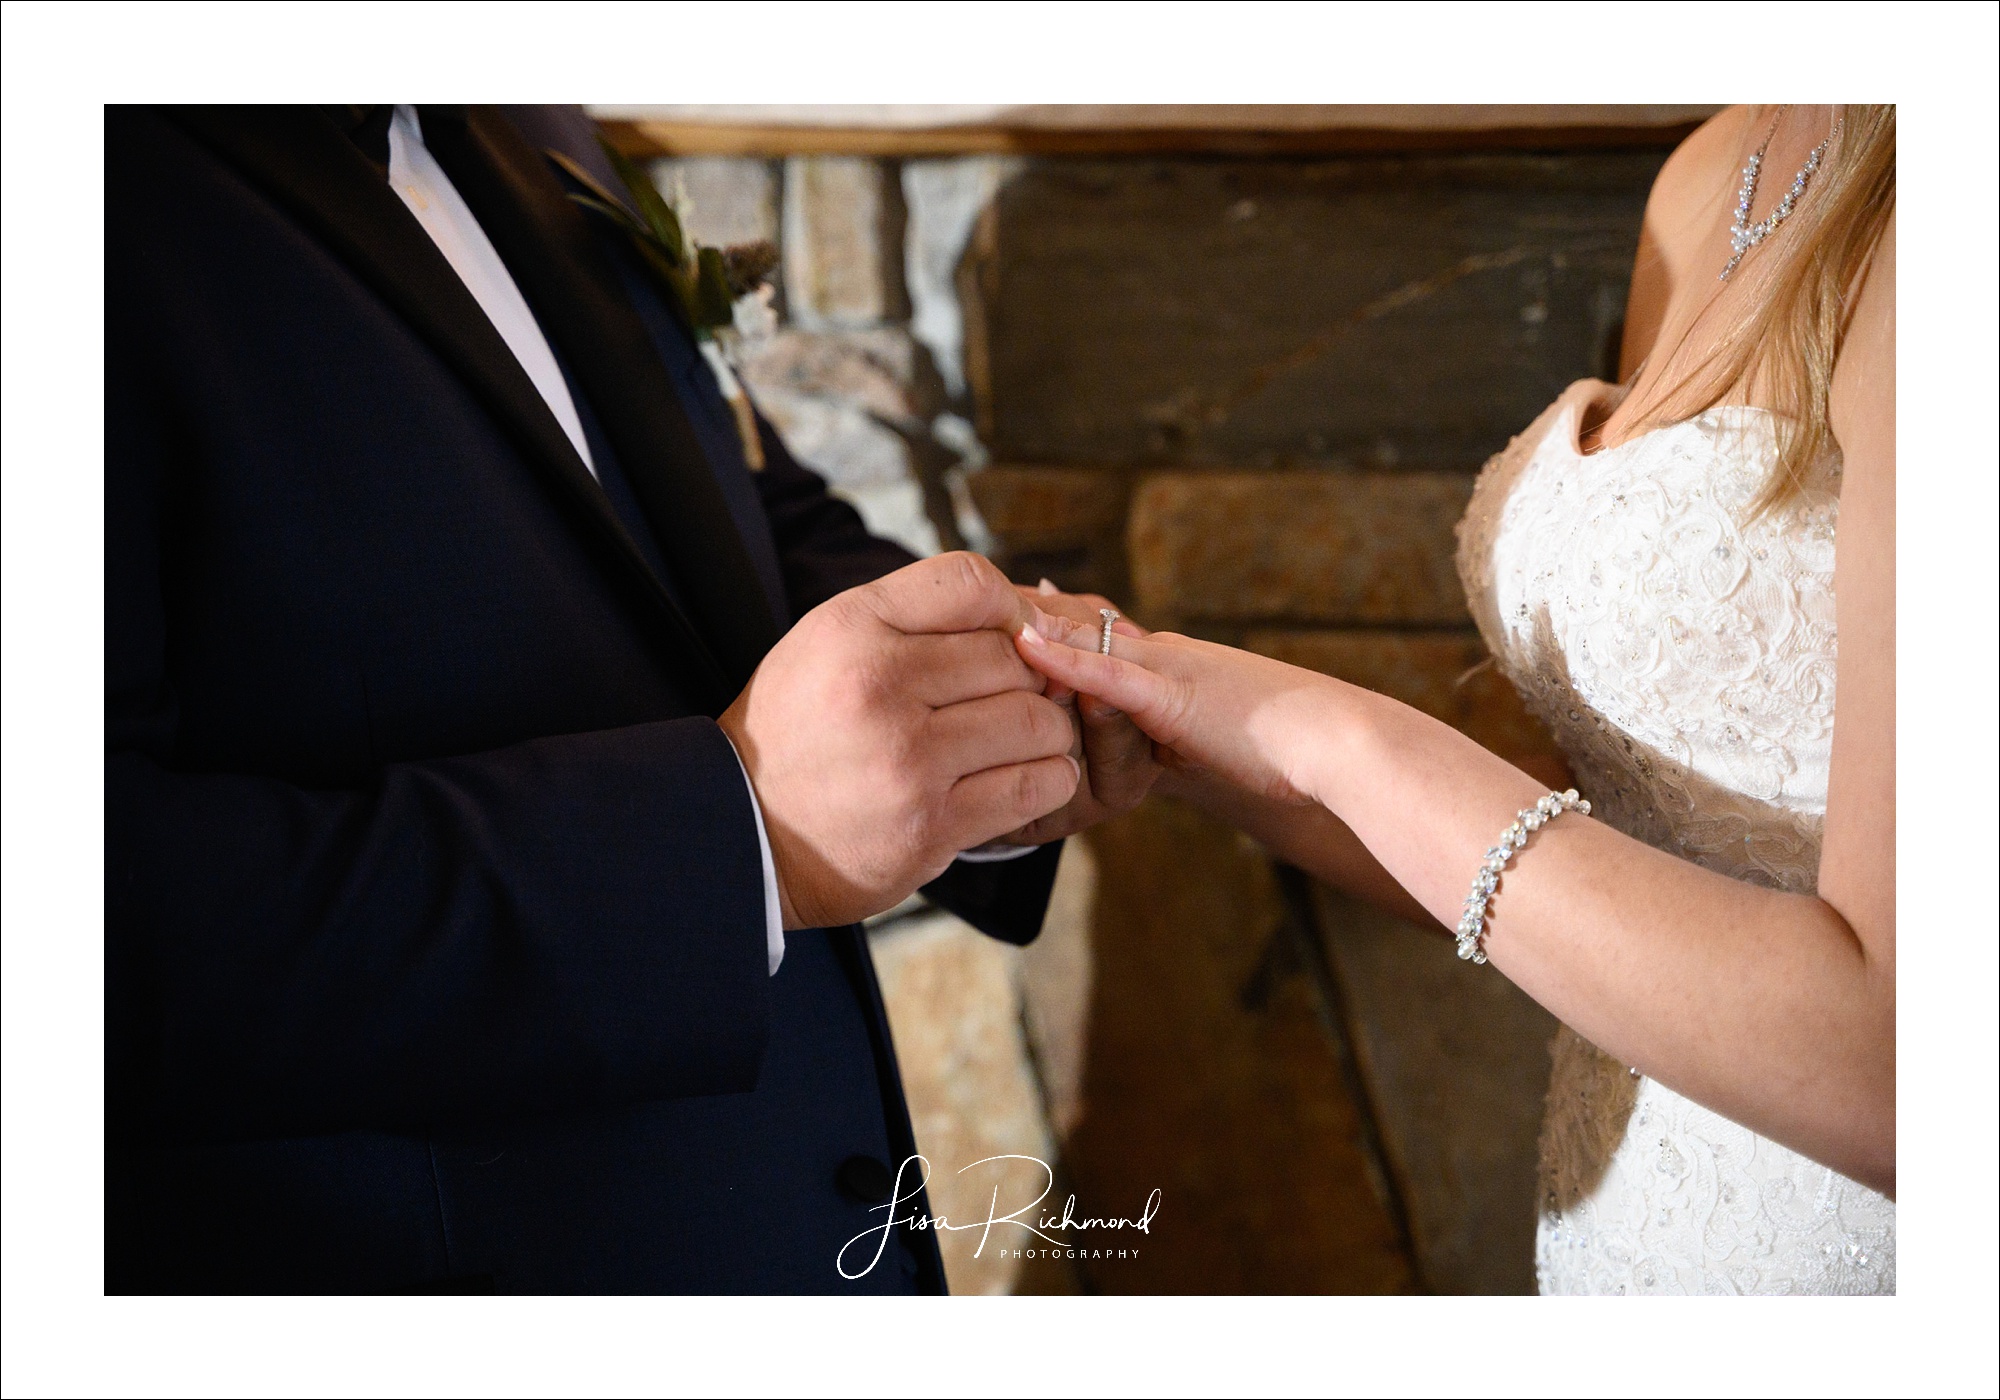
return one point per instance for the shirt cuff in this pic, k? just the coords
(989, 855)
(774, 919)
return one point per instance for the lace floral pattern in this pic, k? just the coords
(1684, 661)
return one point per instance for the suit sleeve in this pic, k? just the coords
(564, 923)
(823, 548)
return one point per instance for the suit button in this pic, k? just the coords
(865, 1179)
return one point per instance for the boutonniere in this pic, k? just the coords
(702, 284)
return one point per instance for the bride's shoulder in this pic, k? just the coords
(1701, 171)
(1713, 146)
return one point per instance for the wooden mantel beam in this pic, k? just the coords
(916, 131)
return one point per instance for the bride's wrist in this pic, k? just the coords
(1337, 730)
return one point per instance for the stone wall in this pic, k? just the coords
(1247, 396)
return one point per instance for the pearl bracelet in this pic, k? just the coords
(1472, 927)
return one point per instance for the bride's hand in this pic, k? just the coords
(1116, 756)
(1244, 718)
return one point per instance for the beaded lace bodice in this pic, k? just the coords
(1684, 661)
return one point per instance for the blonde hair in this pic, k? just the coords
(1785, 348)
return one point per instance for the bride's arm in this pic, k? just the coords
(1317, 841)
(1777, 1010)
(1308, 836)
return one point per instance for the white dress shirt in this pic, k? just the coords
(420, 182)
(422, 185)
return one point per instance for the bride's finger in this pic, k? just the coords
(1059, 627)
(1152, 700)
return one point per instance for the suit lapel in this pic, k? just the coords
(303, 160)
(549, 246)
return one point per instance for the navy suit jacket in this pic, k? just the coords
(434, 924)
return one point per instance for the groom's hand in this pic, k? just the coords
(892, 728)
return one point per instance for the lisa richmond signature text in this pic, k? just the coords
(1057, 1228)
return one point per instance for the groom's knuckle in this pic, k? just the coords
(996, 652)
(1033, 790)
(854, 613)
(977, 659)
(972, 577)
(1045, 727)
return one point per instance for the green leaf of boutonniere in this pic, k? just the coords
(659, 215)
(703, 283)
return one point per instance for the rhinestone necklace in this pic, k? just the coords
(1744, 235)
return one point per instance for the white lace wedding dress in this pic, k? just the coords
(1684, 662)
